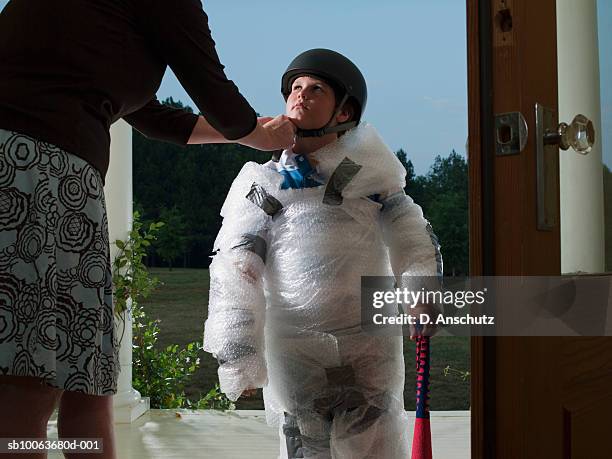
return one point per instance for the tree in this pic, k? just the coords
(177, 104)
(442, 194)
(415, 184)
(446, 207)
(403, 157)
(171, 241)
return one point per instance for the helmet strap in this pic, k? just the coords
(327, 129)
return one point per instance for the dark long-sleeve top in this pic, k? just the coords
(71, 68)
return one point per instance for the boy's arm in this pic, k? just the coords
(414, 250)
(234, 330)
(413, 247)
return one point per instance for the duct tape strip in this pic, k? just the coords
(436, 245)
(393, 201)
(261, 198)
(234, 351)
(293, 437)
(339, 179)
(253, 243)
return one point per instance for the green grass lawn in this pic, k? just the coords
(181, 305)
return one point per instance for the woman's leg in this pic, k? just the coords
(27, 403)
(87, 416)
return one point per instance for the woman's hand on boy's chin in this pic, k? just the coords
(270, 134)
(429, 329)
(279, 127)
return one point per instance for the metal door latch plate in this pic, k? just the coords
(510, 133)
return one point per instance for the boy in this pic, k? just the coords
(298, 234)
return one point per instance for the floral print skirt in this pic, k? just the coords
(56, 309)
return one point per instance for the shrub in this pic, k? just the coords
(160, 374)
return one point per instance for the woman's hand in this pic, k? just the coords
(271, 134)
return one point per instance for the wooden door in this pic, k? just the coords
(536, 397)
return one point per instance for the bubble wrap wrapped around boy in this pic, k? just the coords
(284, 311)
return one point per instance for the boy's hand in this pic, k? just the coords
(248, 393)
(428, 329)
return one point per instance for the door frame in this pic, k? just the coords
(504, 239)
(481, 241)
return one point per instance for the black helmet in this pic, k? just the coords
(340, 72)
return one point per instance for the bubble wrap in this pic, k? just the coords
(381, 170)
(288, 317)
(413, 247)
(233, 332)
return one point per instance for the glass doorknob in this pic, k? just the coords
(580, 135)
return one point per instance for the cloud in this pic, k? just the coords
(445, 104)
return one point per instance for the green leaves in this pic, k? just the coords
(463, 374)
(214, 400)
(161, 374)
(130, 276)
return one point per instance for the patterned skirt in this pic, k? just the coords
(56, 309)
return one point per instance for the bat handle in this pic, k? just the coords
(422, 376)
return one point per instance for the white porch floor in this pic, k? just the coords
(244, 434)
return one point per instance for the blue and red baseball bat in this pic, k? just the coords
(421, 440)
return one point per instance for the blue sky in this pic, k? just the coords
(604, 29)
(412, 53)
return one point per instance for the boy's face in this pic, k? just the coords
(311, 103)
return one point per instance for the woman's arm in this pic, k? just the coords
(179, 33)
(162, 122)
(269, 134)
